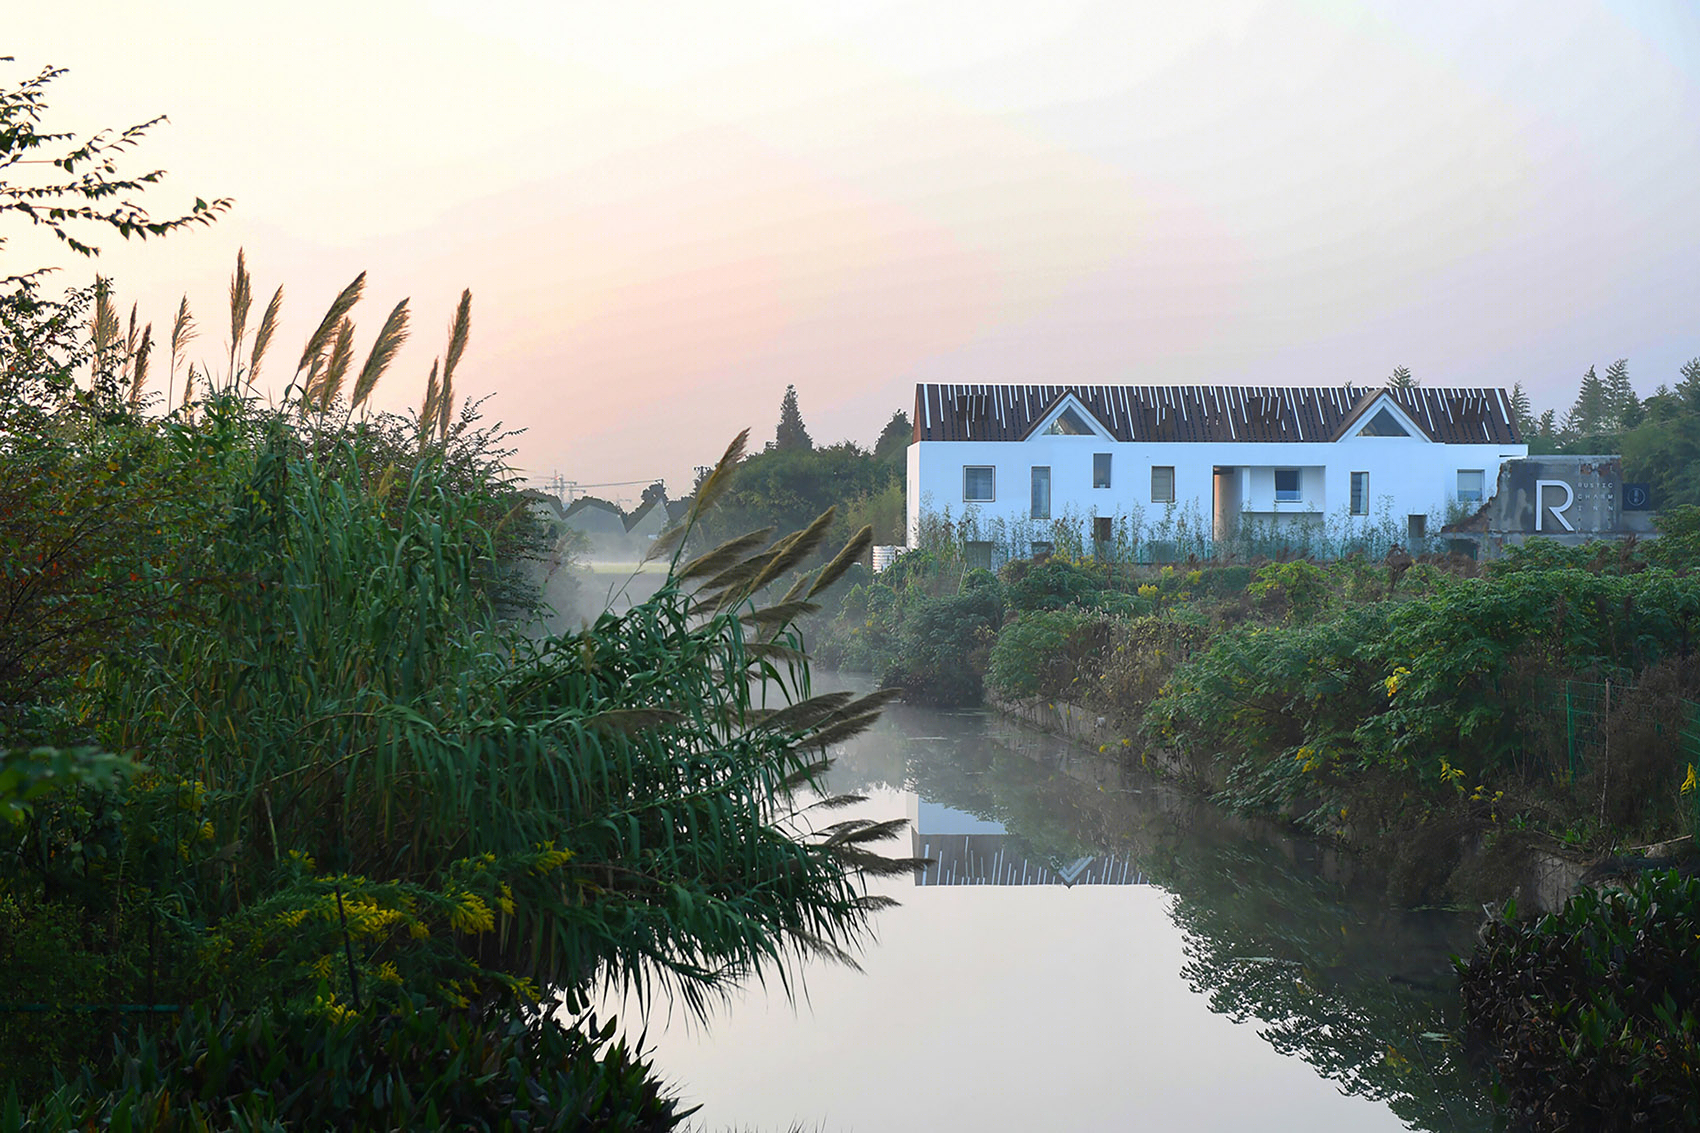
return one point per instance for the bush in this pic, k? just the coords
(941, 654)
(1591, 1013)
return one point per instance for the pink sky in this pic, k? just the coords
(668, 212)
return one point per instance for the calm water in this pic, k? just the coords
(1091, 950)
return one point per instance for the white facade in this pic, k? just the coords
(1219, 484)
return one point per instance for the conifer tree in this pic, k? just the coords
(1522, 413)
(894, 438)
(1588, 416)
(1401, 378)
(1688, 389)
(1623, 408)
(791, 435)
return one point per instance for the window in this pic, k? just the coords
(1384, 424)
(1287, 484)
(1100, 470)
(977, 484)
(1360, 493)
(1068, 424)
(1416, 527)
(1041, 548)
(1041, 492)
(1101, 531)
(1163, 484)
(977, 555)
(1470, 482)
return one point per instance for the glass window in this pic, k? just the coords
(1040, 548)
(1163, 484)
(1068, 424)
(1360, 493)
(1100, 470)
(1287, 484)
(1470, 482)
(977, 483)
(1384, 424)
(1101, 530)
(1416, 527)
(1041, 491)
(977, 555)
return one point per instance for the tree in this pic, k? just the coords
(894, 439)
(1623, 408)
(1401, 378)
(1689, 387)
(86, 191)
(791, 435)
(1588, 416)
(1521, 412)
(656, 491)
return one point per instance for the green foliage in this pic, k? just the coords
(1034, 654)
(792, 435)
(419, 1066)
(943, 643)
(1053, 583)
(1302, 586)
(1590, 1013)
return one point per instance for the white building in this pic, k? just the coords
(1222, 459)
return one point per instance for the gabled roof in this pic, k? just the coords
(1384, 411)
(589, 503)
(1209, 413)
(642, 513)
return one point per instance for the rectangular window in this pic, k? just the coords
(1360, 493)
(977, 555)
(977, 484)
(1041, 491)
(1470, 481)
(1287, 484)
(1101, 531)
(1100, 470)
(1416, 527)
(1041, 548)
(1163, 484)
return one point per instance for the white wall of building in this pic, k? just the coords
(1407, 476)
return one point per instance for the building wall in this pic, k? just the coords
(1407, 475)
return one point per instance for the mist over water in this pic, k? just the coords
(1089, 949)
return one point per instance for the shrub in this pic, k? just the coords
(1591, 1013)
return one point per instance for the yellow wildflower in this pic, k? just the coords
(324, 966)
(471, 914)
(506, 901)
(1690, 783)
(387, 973)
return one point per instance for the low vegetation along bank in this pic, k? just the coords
(1454, 721)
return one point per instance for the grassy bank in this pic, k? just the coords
(1444, 716)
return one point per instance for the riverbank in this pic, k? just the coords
(1484, 732)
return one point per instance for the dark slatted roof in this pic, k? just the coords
(1209, 413)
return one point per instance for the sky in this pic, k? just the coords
(668, 212)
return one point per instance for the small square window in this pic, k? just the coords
(1360, 493)
(1042, 548)
(1100, 470)
(1470, 481)
(1163, 484)
(1287, 484)
(978, 482)
(977, 555)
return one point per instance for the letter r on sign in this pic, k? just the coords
(1557, 512)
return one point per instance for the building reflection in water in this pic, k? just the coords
(959, 848)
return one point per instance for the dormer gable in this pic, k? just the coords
(1379, 415)
(1069, 417)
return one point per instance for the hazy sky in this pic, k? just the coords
(666, 212)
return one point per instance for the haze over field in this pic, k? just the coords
(666, 213)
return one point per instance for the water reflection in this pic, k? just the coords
(1092, 949)
(1278, 930)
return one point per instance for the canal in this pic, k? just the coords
(1089, 949)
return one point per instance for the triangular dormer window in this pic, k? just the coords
(1384, 424)
(1070, 418)
(1068, 423)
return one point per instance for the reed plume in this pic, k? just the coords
(139, 371)
(263, 336)
(342, 352)
(384, 347)
(241, 299)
